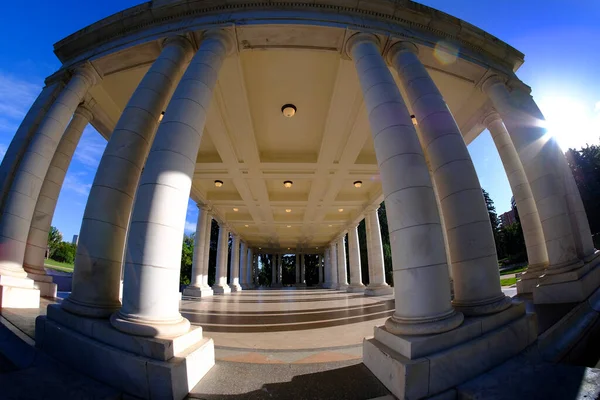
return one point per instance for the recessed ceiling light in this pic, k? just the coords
(289, 226)
(340, 209)
(218, 183)
(236, 209)
(288, 210)
(246, 226)
(260, 248)
(330, 226)
(288, 110)
(288, 248)
(358, 184)
(317, 248)
(414, 120)
(288, 184)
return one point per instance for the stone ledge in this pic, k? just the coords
(135, 375)
(572, 291)
(197, 292)
(440, 371)
(19, 297)
(102, 331)
(413, 347)
(378, 290)
(355, 288)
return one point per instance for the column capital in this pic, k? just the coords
(178, 40)
(400, 47)
(490, 117)
(491, 81)
(223, 36)
(360, 37)
(517, 84)
(85, 111)
(87, 71)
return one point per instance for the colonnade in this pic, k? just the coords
(135, 215)
(276, 261)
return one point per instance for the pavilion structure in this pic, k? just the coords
(288, 123)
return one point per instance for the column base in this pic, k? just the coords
(529, 279)
(276, 285)
(300, 285)
(568, 287)
(343, 286)
(491, 306)
(329, 285)
(44, 284)
(355, 288)
(422, 366)
(139, 366)
(149, 328)
(236, 288)
(18, 293)
(378, 290)
(221, 289)
(194, 291)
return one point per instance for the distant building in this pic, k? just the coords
(75, 240)
(508, 218)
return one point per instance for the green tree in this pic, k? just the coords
(54, 240)
(585, 167)
(65, 252)
(187, 254)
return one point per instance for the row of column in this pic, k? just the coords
(277, 269)
(241, 260)
(335, 260)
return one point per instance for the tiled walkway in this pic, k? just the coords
(288, 325)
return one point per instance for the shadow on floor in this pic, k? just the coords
(286, 381)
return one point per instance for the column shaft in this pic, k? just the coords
(220, 285)
(334, 265)
(320, 269)
(151, 279)
(250, 270)
(542, 162)
(206, 260)
(28, 178)
(37, 239)
(297, 268)
(356, 284)
(528, 213)
(303, 270)
(98, 263)
(421, 279)
(20, 141)
(199, 239)
(377, 284)
(471, 243)
(243, 266)
(341, 263)
(234, 275)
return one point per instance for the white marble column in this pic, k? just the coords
(528, 213)
(327, 268)
(333, 265)
(303, 270)
(22, 197)
(37, 239)
(356, 284)
(221, 286)
(205, 287)
(341, 263)
(542, 162)
(100, 252)
(196, 287)
(21, 139)
(151, 280)
(251, 267)
(297, 268)
(377, 285)
(234, 274)
(280, 270)
(243, 266)
(472, 249)
(421, 279)
(320, 270)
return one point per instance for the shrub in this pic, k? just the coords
(65, 252)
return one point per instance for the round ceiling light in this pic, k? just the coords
(246, 226)
(218, 183)
(236, 209)
(288, 210)
(340, 209)
(288, 184)
(358, 184)
(289, 226)
(288, 110)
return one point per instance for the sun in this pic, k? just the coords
(571, 121)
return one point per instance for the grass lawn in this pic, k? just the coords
(59, 266)
(514, 271)
(508, 282)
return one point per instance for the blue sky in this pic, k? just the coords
(560, 39)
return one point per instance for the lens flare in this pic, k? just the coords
(445, 52)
